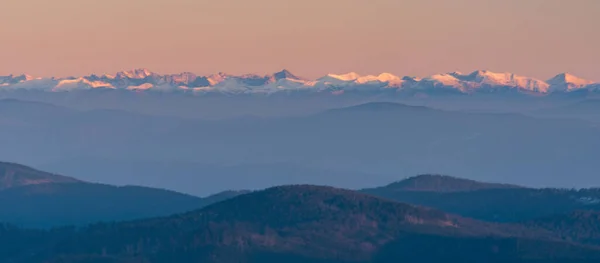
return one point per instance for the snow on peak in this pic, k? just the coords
(340, 80)
(144, 86)
(445, 79)
(381, 78)
(139, 73)
(567, 82)
(217, 78)
(26, 77)
(80, 83)
(481, 78)
(144, 79)
(387, 77)
(570, 78)
(351, 76)
(484, 76)
(11, 79)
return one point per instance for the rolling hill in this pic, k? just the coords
(15, 175)
(32, 198)
(488, 201)
(442, 184)
(300, 223)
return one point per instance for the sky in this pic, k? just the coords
(538, 38)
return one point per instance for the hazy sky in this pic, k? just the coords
(309, 37)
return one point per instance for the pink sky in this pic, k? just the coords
(539, 38)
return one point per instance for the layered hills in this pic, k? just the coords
(406, 220)
(368, 144)
(489, 201)
(300, 223)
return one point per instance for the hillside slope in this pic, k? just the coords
(15, 175)
(32, 198)
(488, 201)
(304, 223)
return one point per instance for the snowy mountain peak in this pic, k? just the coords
(14, 79)
(504, 79)
(486, 75)
(387, 76)
(446, 79)
(345, 77)
(80, 83)
(482, 76)
(217, 78)
(567, 77)
(567, 82)
(381, 78)
(142, 80)
(139, 73)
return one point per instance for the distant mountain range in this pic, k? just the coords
(139, 80)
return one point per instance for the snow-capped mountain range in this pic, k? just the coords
(145, 80)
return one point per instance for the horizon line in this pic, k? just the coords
(285, 69)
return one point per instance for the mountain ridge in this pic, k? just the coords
(444, 184)
(17, 175)
(51, 200)
(491, 202)
(144, 79)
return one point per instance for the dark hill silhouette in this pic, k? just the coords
(443, 183)
(49, 205)
(32, 198)
(300, 223)
(15, 175)
(488, 201)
